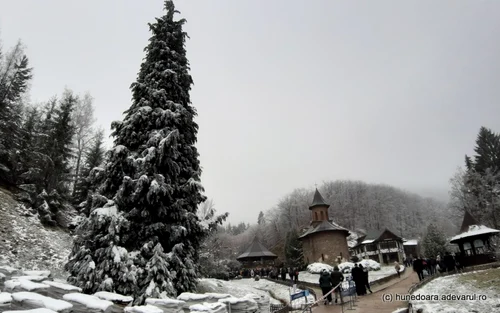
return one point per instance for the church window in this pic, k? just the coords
(321, 213)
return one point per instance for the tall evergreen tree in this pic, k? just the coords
(153, 177)
(260, 219)
(93, 159)
(59, 145)
(15, 74)
(293, 250)
(434, 241)
(487, 152)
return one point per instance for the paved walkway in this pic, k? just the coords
(373, 303)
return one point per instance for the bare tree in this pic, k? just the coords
(83, 117)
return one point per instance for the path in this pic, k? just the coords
(372, 303)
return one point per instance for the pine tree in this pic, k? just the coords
(15, 74)
(153, 179)
(434, 241)
(260, 219)
(93, 158)
(59, 145)
(293, 250)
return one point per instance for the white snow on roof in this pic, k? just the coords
(104, 295)
(37, 273)
(24, 284)
(143, 309)
(91, 302)
(475, 230)
(48, 303)
(62, 286)
(39, 310)
(411, 242)
(367, 241)
(5, 297)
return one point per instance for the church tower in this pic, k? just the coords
(324, 241)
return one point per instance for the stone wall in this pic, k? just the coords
(325, 247)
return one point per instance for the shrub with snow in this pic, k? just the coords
(317, 268)
(369, 264)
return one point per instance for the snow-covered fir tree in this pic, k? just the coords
(434, 241)
(145, 241)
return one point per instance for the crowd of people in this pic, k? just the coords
(328, 281)
(430, 266)
(283, 273)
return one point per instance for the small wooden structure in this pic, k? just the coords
(256, 255)
(473, 241)
(383, 246)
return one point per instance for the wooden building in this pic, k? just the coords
(324, 241)
(383, 246)
(411, 248)
(256, 255)
(473, 241)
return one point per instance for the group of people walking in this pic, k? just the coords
(327, 281)
(333, 280)
(430, 266)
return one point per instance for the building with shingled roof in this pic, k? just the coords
(256, 255)
(382, 246)
(324, 241)
(473, 241)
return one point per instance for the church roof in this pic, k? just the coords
(469, 220)
(318, 200)
(324, 226)
(256, 250)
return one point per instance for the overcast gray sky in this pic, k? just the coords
(290, 93)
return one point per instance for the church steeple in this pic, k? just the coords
(319, 209)
(318, 201)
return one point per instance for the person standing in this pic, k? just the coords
(337, 278)
(366, 282)
(397, 267)
(325, 283)
(358, 277)
(418, 267)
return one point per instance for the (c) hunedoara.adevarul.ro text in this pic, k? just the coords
(389, 297)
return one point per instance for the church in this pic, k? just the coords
(324, 241)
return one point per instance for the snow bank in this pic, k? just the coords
(40, 310)
(8, 269)
(209, 307)
(317, 268)
(37, 273)
(62, 286)
(46, 302)
(5, 297)
(143, 309)
(24, 285)
(188, 296)
(165, 302)
(113, 297)
(31, 278)
(430, 296)
(91, 302)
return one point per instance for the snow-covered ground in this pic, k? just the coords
(241, 287)
(26, 243)
(477, 291)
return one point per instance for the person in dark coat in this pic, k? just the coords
(337, 278)
(359, 279)
(418, 266)
(325, 283)
(449, 261)
(366, 282)
(283, 274)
